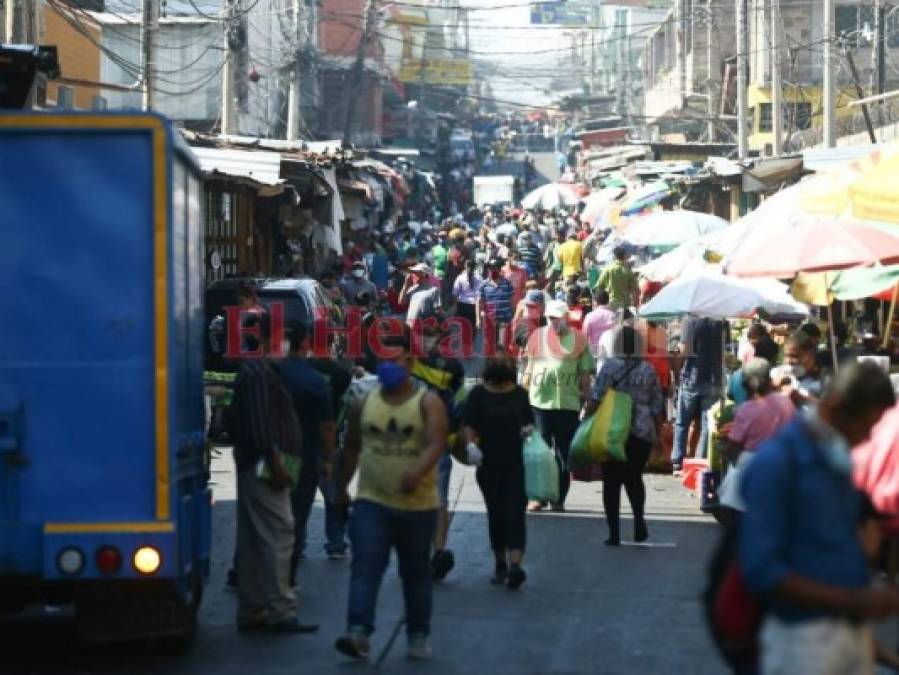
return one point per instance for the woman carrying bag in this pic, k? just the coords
(628, 373)
(497, 417)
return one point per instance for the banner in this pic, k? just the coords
(565, 13)
(436, 71)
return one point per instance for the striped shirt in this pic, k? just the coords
(530, 257)
(496, 298)
(250, 420)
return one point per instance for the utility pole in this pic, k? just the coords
(620, 92)
(293, 94)
(681, 50)
(14, 15)
(742, 140)
(592, 63)
(829, 101)
(860, 93)
(713, 74)
(149, 29)
(353, 92)
(776, 102)
(879, 54)
(229, 119)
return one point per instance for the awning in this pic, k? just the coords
(824, 159)
(771, 173)
(254, 166)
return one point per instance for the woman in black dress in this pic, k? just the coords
(497, 417)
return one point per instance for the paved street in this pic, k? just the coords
(513, 165)
(585, 608)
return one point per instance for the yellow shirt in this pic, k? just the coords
(393, 440)
(570, 254)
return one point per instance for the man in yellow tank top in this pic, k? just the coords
(395, 436)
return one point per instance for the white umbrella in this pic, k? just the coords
(716, 296)
(550, 196)
(670, 228)
(685, 260)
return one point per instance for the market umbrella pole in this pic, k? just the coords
(833, 340)
(887, 329)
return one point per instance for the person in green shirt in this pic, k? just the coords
(557, 377)
(439, 255)
(619, 281)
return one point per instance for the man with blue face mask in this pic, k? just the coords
(798, 547)
(396, 435)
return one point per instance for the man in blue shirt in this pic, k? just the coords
(494, 306)
(312, 400)
(799, 547)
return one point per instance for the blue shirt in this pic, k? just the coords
(801, 517)
(736, 392)
(312, 400)
(496, 296)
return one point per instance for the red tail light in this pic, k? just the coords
(109, 560)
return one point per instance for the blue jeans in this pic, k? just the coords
(302, 497)
(693, 401)
(374, 530)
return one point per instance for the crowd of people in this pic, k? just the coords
(521, 303)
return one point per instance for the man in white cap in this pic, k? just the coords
(423, 296)
(557, 376)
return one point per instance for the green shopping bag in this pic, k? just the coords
(541, 473)
(579, 452)
(612, 423)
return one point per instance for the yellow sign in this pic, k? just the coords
(436, 71)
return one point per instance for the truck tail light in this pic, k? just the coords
(108, 559)
(147, 560)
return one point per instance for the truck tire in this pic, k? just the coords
(181, 643)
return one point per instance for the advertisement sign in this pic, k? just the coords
(447, 72)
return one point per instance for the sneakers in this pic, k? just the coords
(419, 648)
(337, 555)
(354, 644)
(441, 564)
(535, 506)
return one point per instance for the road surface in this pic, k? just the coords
(586, 608)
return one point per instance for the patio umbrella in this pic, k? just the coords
(812, 244)
(716, 296)
(665, 229)
(596, 202)
(550, 196)
(687, 259)
(646, 197)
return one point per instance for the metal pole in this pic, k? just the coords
(353, 93)
(860, 93)
(229, 120)
(776, 102)
(742, 140)
(879, 53)
(149, 28)
(592, 63)
(293, 95)
(712, 78)
(829, 101)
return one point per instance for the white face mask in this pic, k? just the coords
(429, 343)
(358, 273)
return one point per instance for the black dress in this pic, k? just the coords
(497, 419)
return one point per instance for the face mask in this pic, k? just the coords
(797, 371)
(391, 375)
(358, 273)
(285, 347)
(429, 343)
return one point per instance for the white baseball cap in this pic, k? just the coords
(556, 309)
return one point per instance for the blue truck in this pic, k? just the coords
(105, 509)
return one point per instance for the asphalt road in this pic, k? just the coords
(513, 165)
(585, 608)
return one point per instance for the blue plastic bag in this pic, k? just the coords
(541, 473)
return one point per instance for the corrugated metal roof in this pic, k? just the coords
(258, 165)
(822, 159)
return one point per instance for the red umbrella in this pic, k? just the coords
(812, 244)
